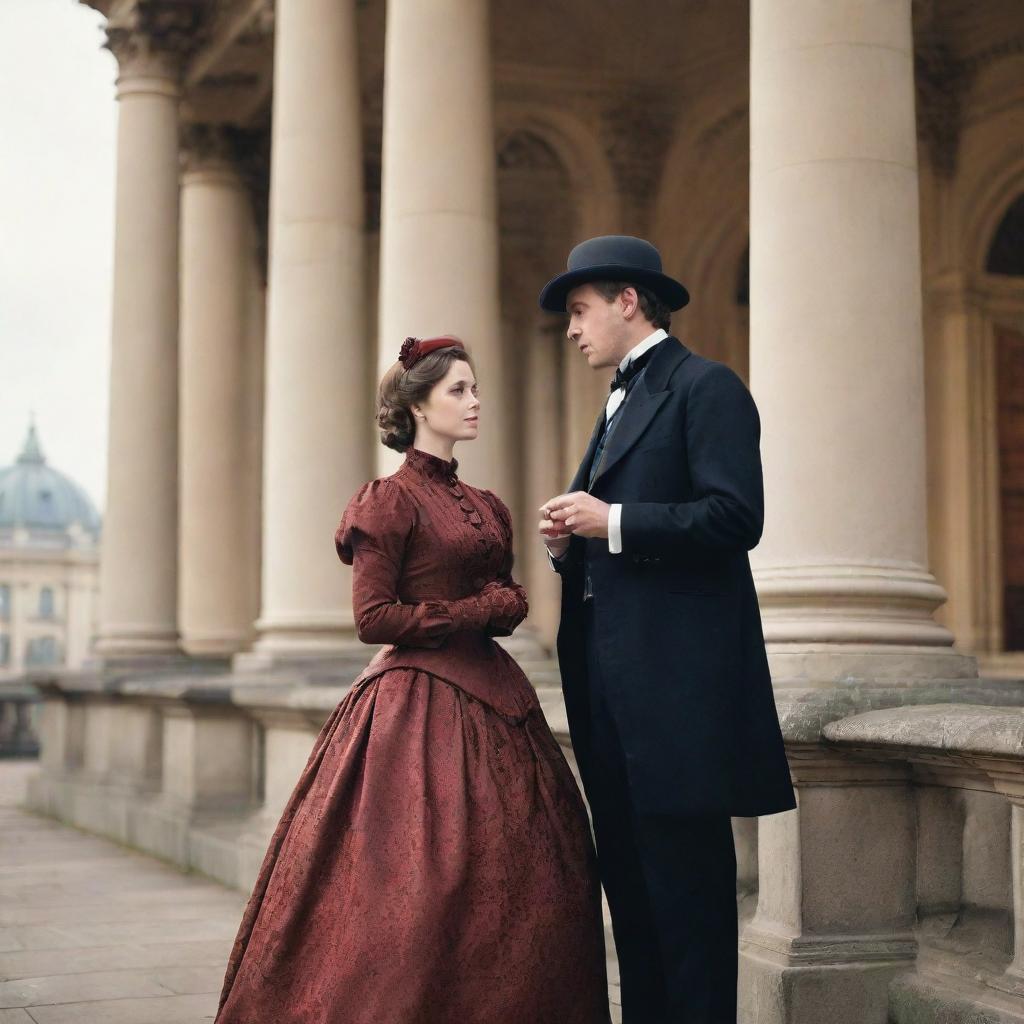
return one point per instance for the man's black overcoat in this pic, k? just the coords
(676, 613)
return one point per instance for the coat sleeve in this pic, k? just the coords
(372, 538)
(723, 432)
(510, 605)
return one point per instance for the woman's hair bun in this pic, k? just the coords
(397, 429)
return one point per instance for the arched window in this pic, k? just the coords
(1006, 253)
(46, 603)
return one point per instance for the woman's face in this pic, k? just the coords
(452, 409)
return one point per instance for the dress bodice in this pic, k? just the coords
(423, 546)
(453, 538)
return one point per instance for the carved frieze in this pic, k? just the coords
(637, 131)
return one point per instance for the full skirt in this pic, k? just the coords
(433, 866)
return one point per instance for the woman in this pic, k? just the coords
(434, 864)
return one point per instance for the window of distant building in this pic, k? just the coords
(46, 603)
(5, 650)
(41, 650)
(5, 602)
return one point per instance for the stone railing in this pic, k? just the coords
(196, 767)
(894, 894)
(19, 702)
(963, 768)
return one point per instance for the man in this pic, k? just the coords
(662, 655)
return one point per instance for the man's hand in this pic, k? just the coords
(579, 513)
(555, 536)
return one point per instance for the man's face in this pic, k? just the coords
(597, 326)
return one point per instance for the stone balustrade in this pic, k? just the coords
(18, 713)
(196, 766)
(907, 849)
(962, 767)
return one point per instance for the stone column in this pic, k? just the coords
(317, 413)
(439, 232)
(847, 599)
(138, 568)
(543, 467)
(836, 352)
(217, 266)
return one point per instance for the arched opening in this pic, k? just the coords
(1006, 258)
(1006, 252)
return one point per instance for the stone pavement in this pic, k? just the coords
(93, 933)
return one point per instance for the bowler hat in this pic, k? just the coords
(613, 258)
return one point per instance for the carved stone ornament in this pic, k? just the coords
(155, 36)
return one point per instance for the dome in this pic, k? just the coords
(37, 496)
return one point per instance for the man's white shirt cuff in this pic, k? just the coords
(615, 530)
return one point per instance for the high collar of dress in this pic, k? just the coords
(431, 466)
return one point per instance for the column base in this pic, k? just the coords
(137, 644)
(222, 645)
(891, 604)
(339, 661)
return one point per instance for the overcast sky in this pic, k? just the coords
(57, 131)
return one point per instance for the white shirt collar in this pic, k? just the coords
(638, 350)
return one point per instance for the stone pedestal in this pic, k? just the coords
(836, 904)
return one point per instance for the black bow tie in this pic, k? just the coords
(622, 378)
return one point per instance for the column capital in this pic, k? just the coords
(151, 39)
(209, 149)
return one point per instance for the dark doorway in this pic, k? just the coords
(1010, 390)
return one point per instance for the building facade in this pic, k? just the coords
(302, 184)
(49, 566)
(49, 584)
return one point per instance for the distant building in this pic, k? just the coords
(49, 565)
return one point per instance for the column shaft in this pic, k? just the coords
(836, 354)
(439, 232)
(218, 263)
(543, 468)
(317, 413)
(138, 568)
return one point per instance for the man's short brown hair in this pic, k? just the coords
(653, 308)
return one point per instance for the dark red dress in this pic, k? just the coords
(434, 864)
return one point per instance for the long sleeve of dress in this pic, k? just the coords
(372, 538)
(510, 605)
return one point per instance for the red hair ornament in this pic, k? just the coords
(414, 349)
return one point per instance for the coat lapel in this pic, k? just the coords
(642, 405)
(579, 481)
